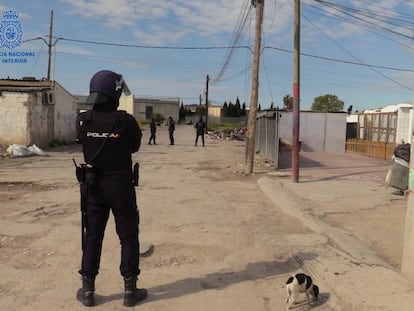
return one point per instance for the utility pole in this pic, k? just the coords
(251, 126)
(200, 105)
(50, 46)
(296, 96)
(207, 81)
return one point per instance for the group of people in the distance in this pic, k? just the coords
(200, 127)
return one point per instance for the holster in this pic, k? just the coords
(80, 171)
(135, 175)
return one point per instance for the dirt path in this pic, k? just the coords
(219, 242)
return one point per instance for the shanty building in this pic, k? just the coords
(36, 112)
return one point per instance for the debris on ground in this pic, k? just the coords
(236, 134)
(3, 151)
(15, 150)
(403, 152)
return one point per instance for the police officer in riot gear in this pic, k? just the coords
(108, 139)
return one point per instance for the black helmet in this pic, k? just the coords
(105, 87)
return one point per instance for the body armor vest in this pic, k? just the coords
(105, 141)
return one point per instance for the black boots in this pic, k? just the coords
(133, 295)
(87, 291)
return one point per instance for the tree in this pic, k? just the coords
(159, 118)
(237, 108)
(327, 103)
(243, 112)
(182, 112)
(225, 109)
(288, 102)
(230, 109)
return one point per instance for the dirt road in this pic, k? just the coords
(219, 242)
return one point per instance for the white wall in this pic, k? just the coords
(165, 107)
(40, 122)
(404, 125)
(318, 132)
(65, 113)
(13, 117)
(26, 119)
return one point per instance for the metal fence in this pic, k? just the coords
(267, 136)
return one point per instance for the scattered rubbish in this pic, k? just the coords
(403, 152)
(236, 134)
(16, 150)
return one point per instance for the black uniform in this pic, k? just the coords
(171, 129)
(108, 137)
(153, 129)
(200, 128)
(109, 185)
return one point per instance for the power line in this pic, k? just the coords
(341, 60)
(155, 46)
(372, 18)
(221, 48)
(352, 55)
(244, 13)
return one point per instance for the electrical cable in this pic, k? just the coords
(352, 55)
(245, 11)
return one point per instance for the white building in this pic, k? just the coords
(36, 112)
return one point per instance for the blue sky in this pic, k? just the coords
(361, 51)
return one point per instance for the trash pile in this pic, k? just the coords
(15, 150)
(236, 134)
(403, 152)
(3, 152)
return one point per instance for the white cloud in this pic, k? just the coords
(166, 19)
(64, 48)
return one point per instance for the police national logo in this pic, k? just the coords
(11, 31)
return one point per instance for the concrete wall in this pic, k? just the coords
(40, 121)
(165, 107)
(404, 125)
(37, 117)
(214, 111)
(319, 131)
(64, 117)
(14, 113)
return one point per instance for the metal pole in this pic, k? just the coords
(207, 80)
(251, 126)
(50, 46)
(296, 96)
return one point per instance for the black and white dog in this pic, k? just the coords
(300, 283)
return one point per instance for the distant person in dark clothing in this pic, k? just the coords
(153, 129)
(200, 129)
(171, 129)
